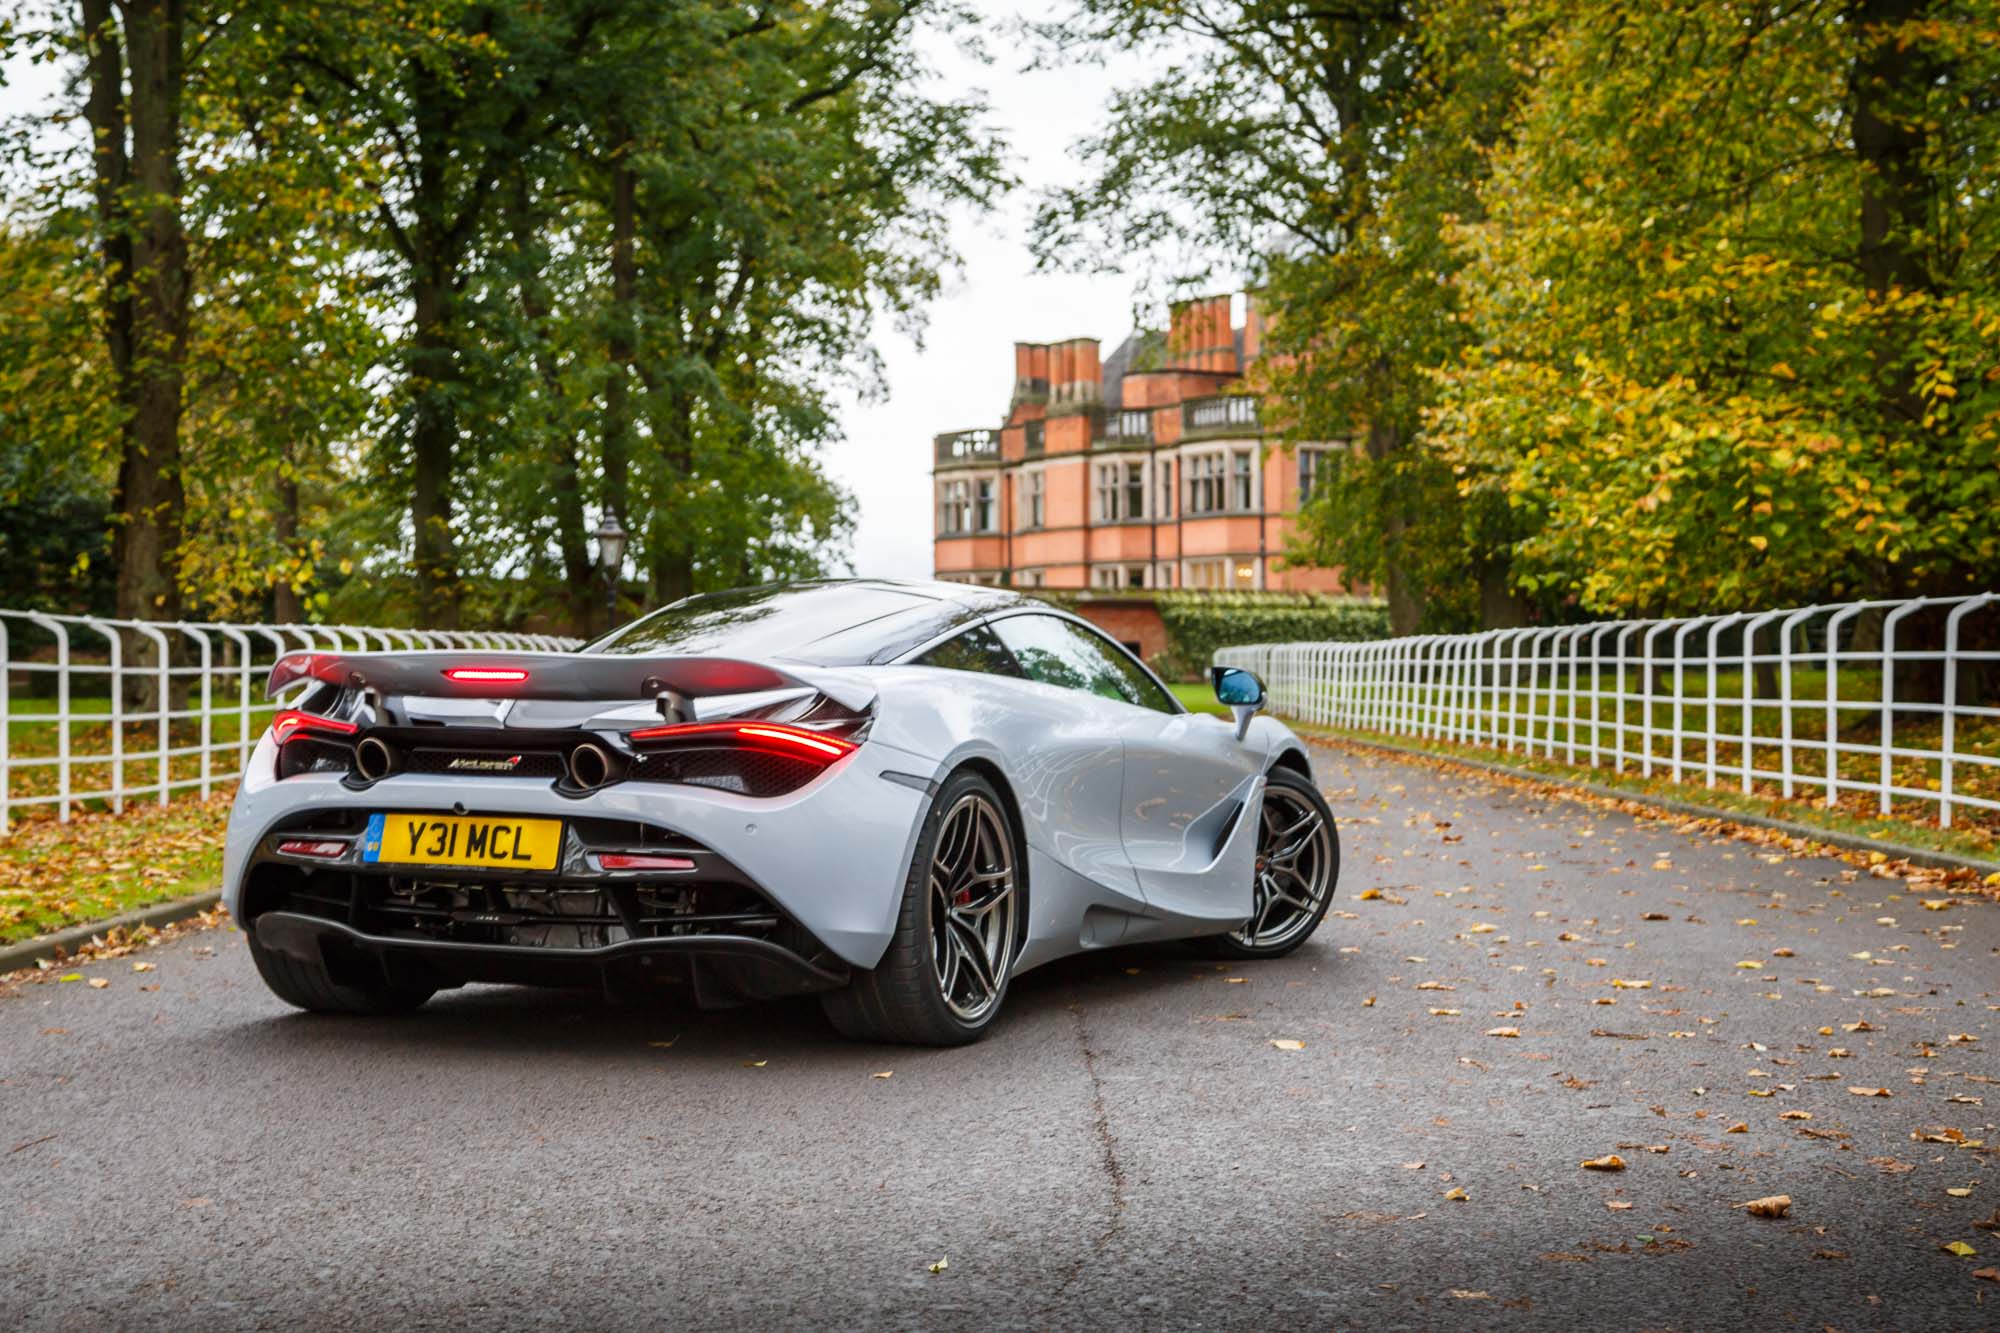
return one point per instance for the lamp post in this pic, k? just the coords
(610, 559)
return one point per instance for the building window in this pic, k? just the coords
(1107, 492)
(954, 507)
(1205, 494)
(1166, 507)
(1135, 490)
(984, 506)
(1243, 481)
(1206, 573)
(1118, 576)
(1164, 576)
(1310, 463)
(1222, 572)
(1033, 499)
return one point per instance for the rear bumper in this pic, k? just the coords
(832, 856)
(718, 968)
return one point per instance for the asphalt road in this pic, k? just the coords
(1128, 1146)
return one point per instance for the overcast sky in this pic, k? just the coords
(963, 375)
(965, 372)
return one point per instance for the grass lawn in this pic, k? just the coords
(1855, 816)
(1198, 697)
(100, 864)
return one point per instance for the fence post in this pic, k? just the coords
(1785, 691)
(1708, 669)
(6, 729)
(1680, 687)
(1833, 625)
(1625, 632)
(207, 705)
(115, 647)
(1947, 748)
(1750, 694)
(1646, 696)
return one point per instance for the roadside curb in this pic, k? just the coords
(29, 952)
(1845, 841)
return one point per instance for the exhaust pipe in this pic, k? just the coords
(373, 759)
(589, 766)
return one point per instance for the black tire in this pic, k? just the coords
(1291, 788)
(903, 998)
(309, 986)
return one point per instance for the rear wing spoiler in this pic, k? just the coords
(464, 674)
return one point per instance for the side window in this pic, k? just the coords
(977, 649)
(1057, 652)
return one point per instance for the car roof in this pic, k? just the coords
(822, 622)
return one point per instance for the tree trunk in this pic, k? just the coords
(624, 305)
(1499, 606)
(673, 568)
(572, 543)
(1887, 85)
(285, 605)
(1406, 607)
(434, 366)
(143, 250)
(433, 439)
(670, 548)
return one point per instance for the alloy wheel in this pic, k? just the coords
(1294, 870)
(973, 907)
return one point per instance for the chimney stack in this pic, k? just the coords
(1078, 375)
(1200, 336)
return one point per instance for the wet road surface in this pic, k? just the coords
(180, 1149)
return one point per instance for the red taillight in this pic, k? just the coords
(633, 861)
(324, 847)
(485, 675)
(772, 736)
(291, 722)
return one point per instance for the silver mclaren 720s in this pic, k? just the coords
(896, 796)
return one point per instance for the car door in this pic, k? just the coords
(1186, 779)
(1066, 767)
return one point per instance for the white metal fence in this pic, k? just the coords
(1876, 705)
(96, 711)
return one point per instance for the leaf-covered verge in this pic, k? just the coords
(100, 864)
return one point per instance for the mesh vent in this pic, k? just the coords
(302, 754)
(746, 772)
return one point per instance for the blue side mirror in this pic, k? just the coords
(1236, 687)
(1242, 691)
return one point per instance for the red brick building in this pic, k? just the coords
(1145, 470)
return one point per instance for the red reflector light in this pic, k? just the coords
(632, 861)
(755, 735)
(290, 722)
(313, 846)
(485, 675)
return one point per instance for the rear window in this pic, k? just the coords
(829, 624)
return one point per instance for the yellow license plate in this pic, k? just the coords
(485, 842)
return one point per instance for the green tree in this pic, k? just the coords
(425, 287)
(1735, 298)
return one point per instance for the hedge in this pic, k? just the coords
(1198, 623)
